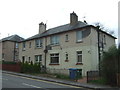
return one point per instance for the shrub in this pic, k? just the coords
(110, 65)
(30, 68)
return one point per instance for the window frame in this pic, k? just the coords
(66, 38)
(39, 57)
(16, 45)
(80, 54)
(38, 43)
(80, 38)
(55, 40)
(54, 56)
(30, 44)
(23, 46)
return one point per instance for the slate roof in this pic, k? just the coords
(14, 38)
(59, 29)
(63, 28)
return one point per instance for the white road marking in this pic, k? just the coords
(31, 85)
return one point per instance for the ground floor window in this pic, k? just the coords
(54, 58)
(23, 59)
(38, 58)
(79, 56)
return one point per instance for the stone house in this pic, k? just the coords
(9, 48)
(73, 45)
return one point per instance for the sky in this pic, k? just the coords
(22, 17)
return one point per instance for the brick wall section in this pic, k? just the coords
(11, 67)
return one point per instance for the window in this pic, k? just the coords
(54, 58)
(24, 46)
(38, 43)
(38, 58)
(29, 44)
(79, 36)
(66, 55)
(16, 45)
(29, 59)
(23, 59)
(66, 37)
(3, 55)
(79, 56)
(104, 40)
(55, 40)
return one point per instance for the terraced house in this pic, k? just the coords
(9, 48)
(73, 45)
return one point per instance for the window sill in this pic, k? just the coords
(67, 41)
(79, 41)
(55, 45)
(79, 63)
(38, 47)
(66, 60)
(23, 50)
(54, 64)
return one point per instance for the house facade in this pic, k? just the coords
(9, 48)
(73, 45)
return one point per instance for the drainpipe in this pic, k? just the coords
(14, 51)
(99, 55)
(45, 51)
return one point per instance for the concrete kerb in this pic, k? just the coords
(57, 81)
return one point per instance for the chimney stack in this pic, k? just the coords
(73, 18)
(42, 27)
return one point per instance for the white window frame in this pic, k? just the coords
(79, 36)
(55, 40)
(16, 45)
(38, 58)
(54, 55)
(66, 38)
(79, 54)
(38, 43)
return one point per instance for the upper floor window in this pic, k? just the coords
(66, 37)
(29, 44)
(24, 45)
(79, 36)
(55, 40)
(79, 56)
(16, 45)
(38, 43)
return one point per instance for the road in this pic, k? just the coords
(13, 81)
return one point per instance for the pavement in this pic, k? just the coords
(84, 85)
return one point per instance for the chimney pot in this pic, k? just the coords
(42, 27)
(73, 18)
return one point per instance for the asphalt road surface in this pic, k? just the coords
(13, 81)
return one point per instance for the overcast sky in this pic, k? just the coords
(23, 16)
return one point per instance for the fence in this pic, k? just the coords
(92, 75)
(118, 79)
(11, 67)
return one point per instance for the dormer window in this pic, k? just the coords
(79, 36)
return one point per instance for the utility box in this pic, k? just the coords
(75, 73)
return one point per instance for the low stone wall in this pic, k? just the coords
(58, 71)
(11, 67)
